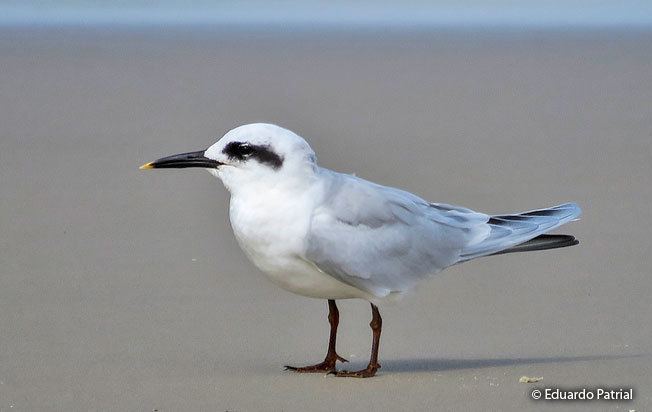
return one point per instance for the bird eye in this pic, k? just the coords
(245, 149)
(239, 150)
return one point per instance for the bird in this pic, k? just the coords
(329, 235)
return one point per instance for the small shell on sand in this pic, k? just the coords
(527, 379)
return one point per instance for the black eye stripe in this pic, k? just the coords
(245, 149)
(263, 153)
(238, 150)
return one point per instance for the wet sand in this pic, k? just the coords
(125, 290)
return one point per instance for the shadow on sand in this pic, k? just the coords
(434, 365)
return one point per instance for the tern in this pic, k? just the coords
(323, 234)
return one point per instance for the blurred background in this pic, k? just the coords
(487, 13)
(125, 290)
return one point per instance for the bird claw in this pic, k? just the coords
(319, 368)
(368, 372)
(328, 365)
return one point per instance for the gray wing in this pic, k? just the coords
(509, 230)
(384, 240)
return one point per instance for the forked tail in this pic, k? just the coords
(542, 242)
(524, 232)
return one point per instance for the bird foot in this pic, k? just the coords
(368, 372)
(328, 365)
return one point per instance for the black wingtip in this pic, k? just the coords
(543, 242)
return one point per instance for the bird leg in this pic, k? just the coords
(376, 326)
(331, 356)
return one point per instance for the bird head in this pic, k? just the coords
(257, 153)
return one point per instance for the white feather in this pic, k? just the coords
(324, 234)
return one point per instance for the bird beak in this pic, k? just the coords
(183, 160)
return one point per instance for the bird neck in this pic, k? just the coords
(291, 180)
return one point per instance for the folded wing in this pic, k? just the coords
(384, 240)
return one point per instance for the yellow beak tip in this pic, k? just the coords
(147, 166)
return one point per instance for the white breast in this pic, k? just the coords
(271, 227)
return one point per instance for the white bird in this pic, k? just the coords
(328, 235)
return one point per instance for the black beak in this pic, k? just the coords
(183, 160)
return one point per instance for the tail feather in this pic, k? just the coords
(523, 232)
(542, 242)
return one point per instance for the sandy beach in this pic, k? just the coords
(125, 290)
